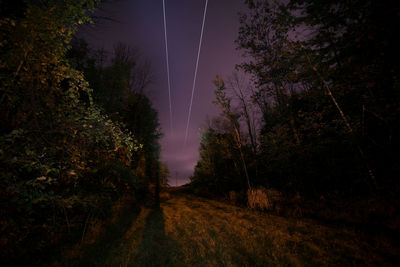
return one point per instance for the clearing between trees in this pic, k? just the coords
(191, 231)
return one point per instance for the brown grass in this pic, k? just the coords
(258, 199)
(191, 231)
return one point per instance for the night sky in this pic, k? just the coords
(140, 24)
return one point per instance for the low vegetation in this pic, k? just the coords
(191, 231)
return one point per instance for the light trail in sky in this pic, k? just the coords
(195, 73)
(168, 76)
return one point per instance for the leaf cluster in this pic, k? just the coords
(62, 159)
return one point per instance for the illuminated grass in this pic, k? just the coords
(191, 231)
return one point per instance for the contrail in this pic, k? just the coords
(195, 73)
(169, 83)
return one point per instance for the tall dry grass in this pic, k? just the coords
(264, 199)
(192, 231)
(257, 199)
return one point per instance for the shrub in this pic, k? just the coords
(257, 198)
(265, 199)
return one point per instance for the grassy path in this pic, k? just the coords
(191, 231)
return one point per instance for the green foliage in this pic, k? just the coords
(325, 80)
(118, 90)
(319, 91)
(219, 169)
(114, 90)
(62, 160)
(142, 119)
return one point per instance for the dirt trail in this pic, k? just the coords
(192, 231)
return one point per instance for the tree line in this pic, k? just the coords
(78, 135)
(314, 108)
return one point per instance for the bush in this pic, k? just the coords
(265, 199)
(257, 199)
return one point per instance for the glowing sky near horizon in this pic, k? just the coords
(142, 27)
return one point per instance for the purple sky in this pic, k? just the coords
(142, 27)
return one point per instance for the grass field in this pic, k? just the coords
(191, 231)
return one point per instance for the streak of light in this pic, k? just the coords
(195, 73)
(168, 75)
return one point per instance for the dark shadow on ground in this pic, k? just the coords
(156, 248)
(98, 253)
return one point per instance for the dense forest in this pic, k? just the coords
(79, 138)
(311, 117)
(301, 167)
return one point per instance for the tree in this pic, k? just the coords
(219, 168)
(242, 93)
(164, 174)
(225, 104)
(62, 161)
(119, 89)
(316, 83)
